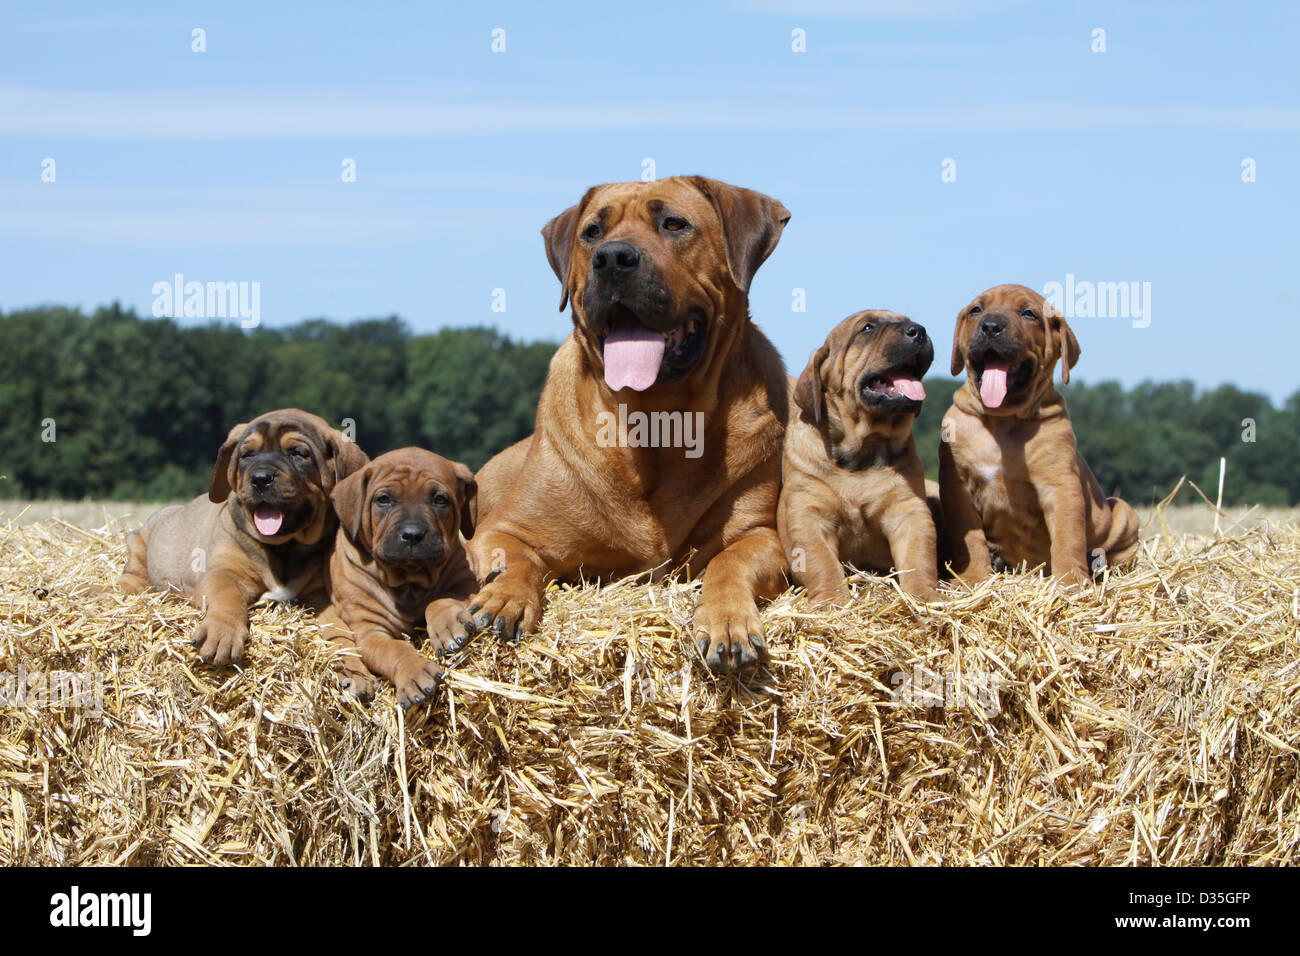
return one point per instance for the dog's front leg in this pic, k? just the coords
(357, 679)
(727, 627)
(510, 602)
(912, 545)
(414, 677)
(222, 633)
(1063, 512)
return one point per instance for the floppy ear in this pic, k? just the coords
(467, 489)
(1069, 350)
(808, 390)
(349, 500)
(559, 234)
(751, 223)
(346, 455)
(958, 356)
(222, 473)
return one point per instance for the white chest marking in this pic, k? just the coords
(280, 594)
(990, 472)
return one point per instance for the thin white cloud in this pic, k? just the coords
(313, 114)
(210, 227)
(83, 25)
(326, 187)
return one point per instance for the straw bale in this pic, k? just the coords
(1155, 720)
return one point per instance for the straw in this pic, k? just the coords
(1153, 720)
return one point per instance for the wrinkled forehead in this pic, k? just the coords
(277, 429)
(619, 201)
(414, 477)
(850, 332)
(1010, 297)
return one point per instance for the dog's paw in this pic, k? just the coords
(506, 608)
(416, 680)
(831, 599)
(730, 636)
(359, 683)
(927, 593)
(449, 628)
(220, 642)
(129, 583)
(1074, 578)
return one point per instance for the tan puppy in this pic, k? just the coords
(659, 430)
(267, 542)
(853, 488)
(1010, 473)
(398, 566)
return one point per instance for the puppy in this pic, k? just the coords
(1010, 474)
(399, 565)
(260, 533)
(853, 488)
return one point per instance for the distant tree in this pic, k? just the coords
(139, 407)
(473, 392)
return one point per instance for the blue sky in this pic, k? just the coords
(1118, 166)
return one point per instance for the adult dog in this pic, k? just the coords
(260, 533)
(1010, 473)
(398, 566)
(853, 487)
(658, 435)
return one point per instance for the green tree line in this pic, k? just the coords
(1140, 442)
(137, 407)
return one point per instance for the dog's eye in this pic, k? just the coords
(1028, 314)
(592, 232)
(299, 452)
(247, 453)
(441, 500)
(976, 309)
(675, 224)
(869, 327)
(384, 500)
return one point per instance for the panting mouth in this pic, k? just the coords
(998, 377)
(275, 520)
(898, 388)
(638, 356)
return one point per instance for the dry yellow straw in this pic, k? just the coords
(1156, 720)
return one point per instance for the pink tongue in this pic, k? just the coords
(993, 386)
(268, 520)
(910, 387)
(632, 358)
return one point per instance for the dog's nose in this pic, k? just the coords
(262, 478)
(413, 533)
(992, 327)
(914, 331)
(615, 258)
